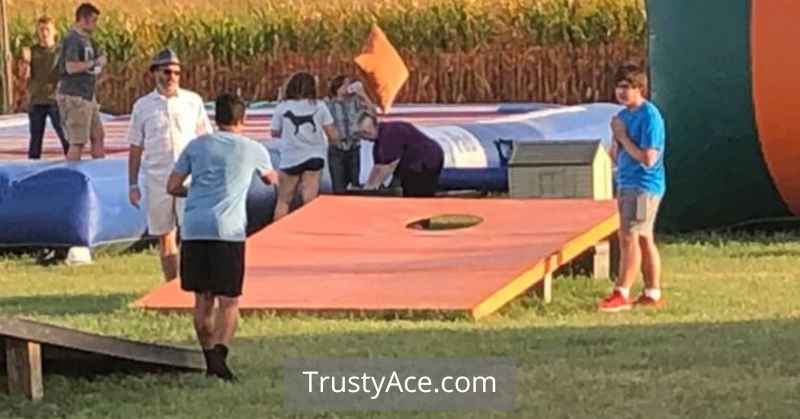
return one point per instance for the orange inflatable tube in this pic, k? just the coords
(775, 34)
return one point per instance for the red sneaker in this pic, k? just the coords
(614, 303)
(646, 302)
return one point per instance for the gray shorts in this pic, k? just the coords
(637, 211)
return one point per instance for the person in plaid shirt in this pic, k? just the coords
(346, 101)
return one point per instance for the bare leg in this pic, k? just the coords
(74, 153)
(227, 316)
(631, 259)
(651, 262)
(169, 255)
(310, 186)
(226, 320)
(204, 319)
(98, 141)
(286, 188)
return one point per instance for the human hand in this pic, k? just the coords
(618, 128)
(271, 178)
(135, 196)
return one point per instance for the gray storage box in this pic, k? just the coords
(560, 169)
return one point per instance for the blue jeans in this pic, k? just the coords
(37, 118)
(345, 167)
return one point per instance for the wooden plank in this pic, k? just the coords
(77, 363)
(598, 262)
(24, 368)
(148, 353)
(5, 47)
(601, 266)
(575, 247)
(514, 288)
(539, 272)
(546, 290)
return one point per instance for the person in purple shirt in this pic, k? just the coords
(401, 149)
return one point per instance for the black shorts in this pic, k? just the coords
(214, 267)
(310, 165)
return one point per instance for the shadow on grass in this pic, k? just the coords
(722, 237)
(705, 370)
(60, 305)
(768, 253)
(106, 250)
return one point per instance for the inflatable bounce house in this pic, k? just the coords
(726, 75)
(49, 203)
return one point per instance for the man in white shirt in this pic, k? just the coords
(161, 125)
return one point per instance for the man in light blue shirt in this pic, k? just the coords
(639, 144)
(215, 219)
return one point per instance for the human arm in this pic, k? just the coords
(25, 68)
(134, 164)
(74, 58)
(328, 124)
(136, 142)
(379, 174)
(647, 156)
(613, 151)
(366, 103)
(175, 184)
(277, 122)
(182, 170)
(264, 167)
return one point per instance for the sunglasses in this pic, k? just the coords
(167, 72)
(624, 86)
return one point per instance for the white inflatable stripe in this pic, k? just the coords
(524, 117)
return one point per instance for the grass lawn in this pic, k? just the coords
(725, 347)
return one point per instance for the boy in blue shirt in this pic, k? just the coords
(638, 149)
(215, 218)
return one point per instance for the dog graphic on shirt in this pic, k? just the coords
(300, 120)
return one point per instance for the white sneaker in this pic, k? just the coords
(79, 256)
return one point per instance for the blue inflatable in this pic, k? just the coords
(45, 203)
(476, 154)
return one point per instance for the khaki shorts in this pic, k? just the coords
(80, 119)
(638, 211)
(164, 211)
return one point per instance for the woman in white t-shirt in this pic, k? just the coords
(304, 126)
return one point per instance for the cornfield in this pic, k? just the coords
(457, 50)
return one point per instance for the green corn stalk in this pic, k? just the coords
(243, 30)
